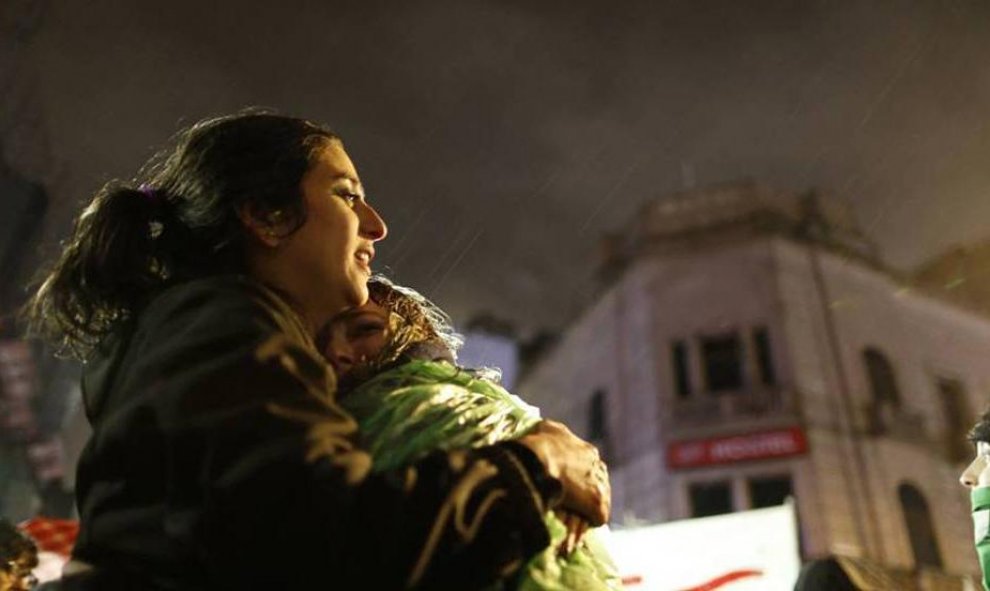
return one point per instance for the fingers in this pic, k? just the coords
(567, 546)
(582, 529)
(574, 532)
(576, 526)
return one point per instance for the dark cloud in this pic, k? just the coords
(501, 139)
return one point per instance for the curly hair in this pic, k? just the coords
(415, 327)
(416, 319)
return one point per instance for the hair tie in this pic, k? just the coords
(150, 193)
(155, 226)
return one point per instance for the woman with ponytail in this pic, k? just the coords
(219, 457)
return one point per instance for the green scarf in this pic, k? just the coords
(421, 406)
(981, 522)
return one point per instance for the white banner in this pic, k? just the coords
(747, 551)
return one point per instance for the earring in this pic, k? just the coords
(275, 220)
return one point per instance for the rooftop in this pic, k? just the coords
(740, 208)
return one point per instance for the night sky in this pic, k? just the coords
(500, 140)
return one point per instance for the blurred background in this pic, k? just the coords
(743, 247)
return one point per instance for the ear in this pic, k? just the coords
(264, 226)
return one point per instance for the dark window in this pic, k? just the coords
(769, 491)
(883, 382)
(918, 519)
(957, 418)
(597, 430)
(710, 498)
(682, 377)
(723, 362)
(598, 424)
(764, 357)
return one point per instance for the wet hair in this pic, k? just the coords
(981, 430)
(413, 320)
(177, 221)
(16, 548)
(416, 329)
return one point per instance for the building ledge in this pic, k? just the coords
(706, 409)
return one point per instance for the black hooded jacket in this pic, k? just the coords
(219, 459)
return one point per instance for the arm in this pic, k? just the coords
(255, 439)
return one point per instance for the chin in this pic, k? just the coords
(358, 296)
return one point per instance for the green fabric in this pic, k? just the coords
(424, 406)
(981, 527)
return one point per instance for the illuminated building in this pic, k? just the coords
(751, 345)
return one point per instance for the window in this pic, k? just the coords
(597, 423)
(918, 519)
(710, 498)
(880, 374)
(769, 491)
(764, 357)
(957, 418)
(596, 416)
(723, 362)
(682, 377)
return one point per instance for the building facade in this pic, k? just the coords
(750, 346)
(490, 342)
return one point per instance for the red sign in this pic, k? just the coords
(778, 443)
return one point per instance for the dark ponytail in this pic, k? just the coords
(105, 268)
(132, 240)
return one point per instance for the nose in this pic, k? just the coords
(372, 226)
(339, 353)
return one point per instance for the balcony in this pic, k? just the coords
(704, 408)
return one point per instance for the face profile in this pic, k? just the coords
(325, 264)
(357, 336)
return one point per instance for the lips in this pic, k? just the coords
(364, 257)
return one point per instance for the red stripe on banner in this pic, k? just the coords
(726, 579)
(631, 580)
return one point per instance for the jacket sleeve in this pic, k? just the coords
(271, 469)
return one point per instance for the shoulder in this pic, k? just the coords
(233, 292)
(221, 343)
(223, 304)
(220, 326)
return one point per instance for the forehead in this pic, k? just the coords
(332, 163)
(369, 309)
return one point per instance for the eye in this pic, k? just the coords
(365, 329)
(350, 199)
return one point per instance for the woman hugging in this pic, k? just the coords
(220, 457)
(396, 357)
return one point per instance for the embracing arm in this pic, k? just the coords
(259, 449)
